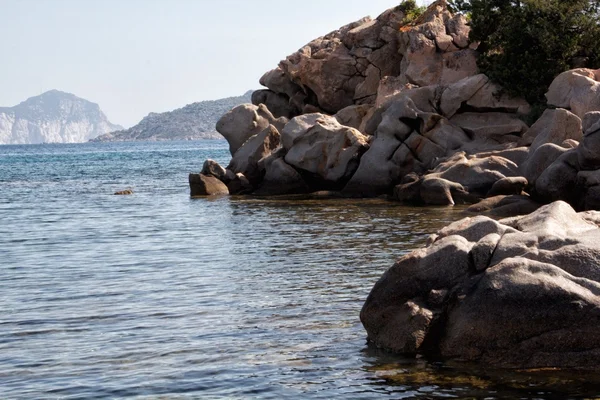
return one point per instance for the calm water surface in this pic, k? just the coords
(157, 295)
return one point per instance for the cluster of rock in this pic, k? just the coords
(193, 122)
(523, 292)
(380, 107)
(384, 107)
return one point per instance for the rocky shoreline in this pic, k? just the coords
(388, 107)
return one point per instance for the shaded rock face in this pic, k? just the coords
(246, 159)
(520, 293)
(205, 185)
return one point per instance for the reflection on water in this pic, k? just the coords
(157, 295)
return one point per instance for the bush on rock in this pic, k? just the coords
(525, 44)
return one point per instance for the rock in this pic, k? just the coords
(554, 126)
(125, 192)
(517, 155)
(458, 65)
(492, 125)
(277, 81)
(328, 150)
(460, 92)
(475, 174)
(277, 103)
(559, 180)
(299, 126)
(447, 136)
(346, 66)
(240, 185)
(245, 121)
(520, 293)
(280, 178)
(588, 184)
(507, 186)
(203, 185)
(491, 97)
(577, 90)
(353, 116)
(431, 53)
(540, 159)
(588, 152)
(458, 28)
(212, 168)
(504, 206)
(436, 191)
(246, 158)
(397, 148)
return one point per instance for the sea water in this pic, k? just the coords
(157, 295)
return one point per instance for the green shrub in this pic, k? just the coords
(526, 43)
(411, 10)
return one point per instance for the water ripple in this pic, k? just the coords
(157, 295)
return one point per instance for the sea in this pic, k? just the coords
(160, 296)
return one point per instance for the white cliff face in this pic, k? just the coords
(53, 117)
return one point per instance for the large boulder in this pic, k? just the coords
(277, 103)
(577, 90)
(327, 150)
(280, 178)
(246, 158)
(477, 174)
(205, 185)
(520, 293)
(496, 126)
(434, 51)
(540, 159)
(401, 143)
(559, 180)
(213, 168)
(554, 126)
(245, 121)
(588, 152)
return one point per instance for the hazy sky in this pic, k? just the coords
(137, 56)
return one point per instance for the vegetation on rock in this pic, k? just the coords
(525, 44)
(411, 10)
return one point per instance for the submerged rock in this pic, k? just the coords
(125, 192)
(520, 293)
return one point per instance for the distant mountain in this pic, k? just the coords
(194, 121)
(53, 117)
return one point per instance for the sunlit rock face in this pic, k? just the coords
(53, 117)
(522, 292)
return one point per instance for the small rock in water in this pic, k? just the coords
(124, 192)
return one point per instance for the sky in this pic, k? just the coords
(133, 57)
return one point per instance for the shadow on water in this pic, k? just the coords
(429, 378)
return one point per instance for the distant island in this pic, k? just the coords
(192, 122)
(53, 117)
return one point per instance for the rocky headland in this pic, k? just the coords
(398, 108)
(192, 122)
(53, 117)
